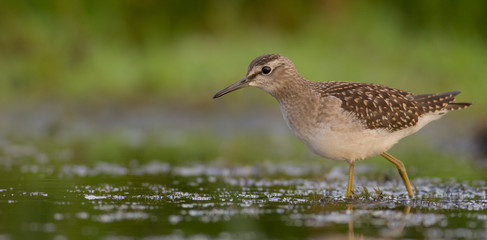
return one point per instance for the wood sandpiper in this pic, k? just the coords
(346, 121)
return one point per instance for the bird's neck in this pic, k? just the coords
(297, 100)
(292, 92)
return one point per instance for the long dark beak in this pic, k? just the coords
(237, 85)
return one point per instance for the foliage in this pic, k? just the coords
(89, 50)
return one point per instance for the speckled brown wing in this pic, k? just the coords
(376, 105)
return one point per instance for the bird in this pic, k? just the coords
(341, 120)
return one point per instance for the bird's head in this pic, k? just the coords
(269, 72)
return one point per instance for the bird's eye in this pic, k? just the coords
(266, 70)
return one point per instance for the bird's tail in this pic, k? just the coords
(457, 106)
(439, 102)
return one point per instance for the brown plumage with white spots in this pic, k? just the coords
(345, 120)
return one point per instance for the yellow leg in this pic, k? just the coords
(350, 181)
(402, 171)
(407, 209)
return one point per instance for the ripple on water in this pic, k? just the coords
(180, 196)
(120, 216)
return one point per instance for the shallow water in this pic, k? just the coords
(160, 201)
(89, 174)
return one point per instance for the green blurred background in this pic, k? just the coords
(93, 58)
(102, 101)
(101, 98)
(183, 51)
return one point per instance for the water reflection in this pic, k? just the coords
(221, 202)
(394, 228)
(351, 232)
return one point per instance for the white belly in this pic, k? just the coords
(350, 141)
(352, 145)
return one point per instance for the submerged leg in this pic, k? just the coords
(350, 181)
(402, 171)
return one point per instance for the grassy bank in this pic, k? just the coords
(81, 53)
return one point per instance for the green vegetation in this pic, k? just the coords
(182, 51)
(108, 129)
(82, 53)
